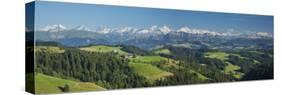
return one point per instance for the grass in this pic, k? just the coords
(149, 71)
(103, 48)
(151, 59)
(154, 59)
(239, 56)
(163, 51)
(230, 68)
(50, 49)
(218, 55)
(49, 84)
(200, 76)
(143, 65)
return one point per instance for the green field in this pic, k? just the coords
(151, 59)
(50, 49)
(230, 68)
(218, 55)
(239, 56)
(149, 71)
(49, 84)
(200, 76)
(103, 48)
(163, 51)
(143, 65)
(156, 59)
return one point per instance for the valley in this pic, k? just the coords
(100, 67)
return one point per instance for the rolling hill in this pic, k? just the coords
(149, 71)
(49, 84)
(104, 48)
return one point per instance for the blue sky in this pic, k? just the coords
(73, 14)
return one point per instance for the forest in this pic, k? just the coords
(121, 66)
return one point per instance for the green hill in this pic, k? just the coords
(150, 59)
(149, 71)
(143, 65)
(163, 51)
(218, 55)
(49, 84)
(229, 68)
(103, 48)
(50, 49)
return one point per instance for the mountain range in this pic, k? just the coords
(146, 38)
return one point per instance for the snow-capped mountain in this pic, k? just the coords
(155, 30)
(165, 29)
(146, 37)
(82, 28)
(151, 30)
(126, 29)
(103, 30)
(54, 28)
(186, 29)
(258, 35)
(159, 30)
(264, 34)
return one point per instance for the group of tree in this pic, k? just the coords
(107, 69)
(111, 70)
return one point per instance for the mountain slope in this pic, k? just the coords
(49, 84)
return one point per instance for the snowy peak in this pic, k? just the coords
(201, 32)
(54, 28)
(158, 30)
(264, 34)
(184, 29)
(258, 35)
(103, 30)
(165, 29)
(82, 28)
(126, 29)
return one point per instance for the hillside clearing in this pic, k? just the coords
(200, 76)
(163, 51)
(218, 55)
(50, 49)
(230, 68)
(149, 71)
(103, 48)
(49, 84)
(151, 59)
